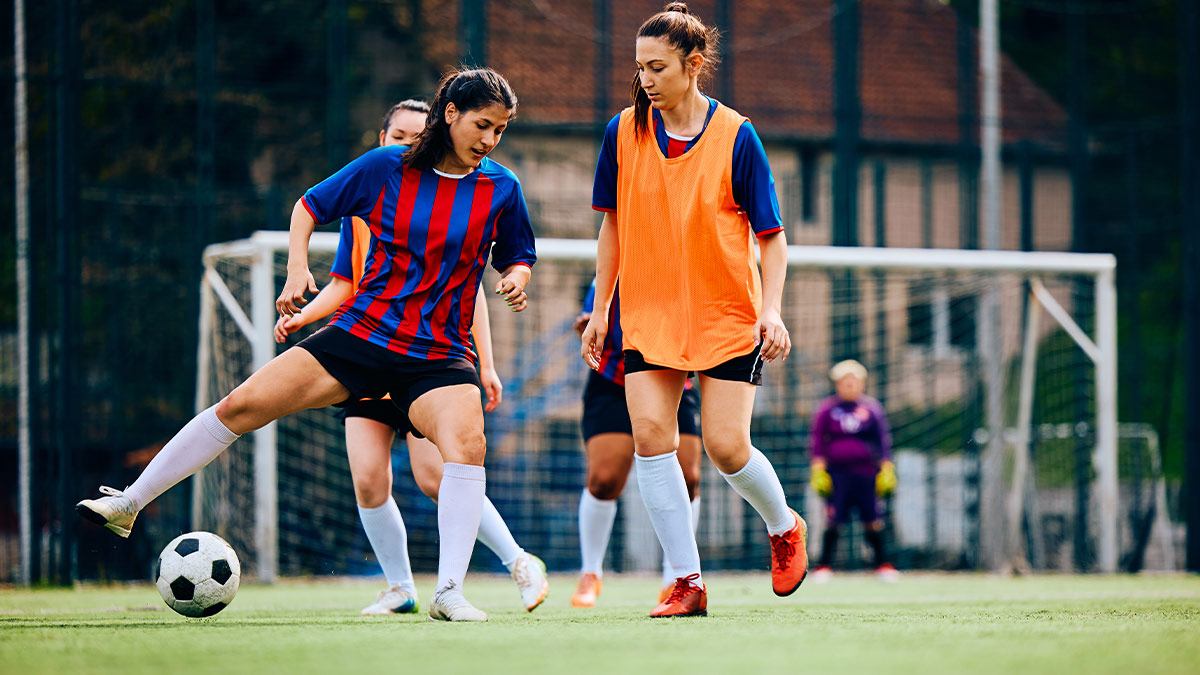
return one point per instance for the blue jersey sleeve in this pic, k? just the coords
(354, 189)
(604, 189)
(753, 184)
(343, 267)
(589, 299)
(514, 232)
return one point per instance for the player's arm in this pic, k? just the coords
(885, 480)
(337, 291)
(776, 343)
(608, 261)
(482, 330)
(511, 288)
(299, 278)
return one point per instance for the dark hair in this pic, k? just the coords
(413, 104)
(685, 33)
(467, 90)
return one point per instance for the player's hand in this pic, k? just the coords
(820, 480)
(292, 298)
(593, 340)
(776, 343)
(513, 294)
(285, 326)
(885, 480)
(492, 387)
(581, 322)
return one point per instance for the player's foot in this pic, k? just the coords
(394, 600)
(886, 572)
(450, 605)
(530, 574)
(822, 574)
(115, 511)
(789, 558)
(587, 591)
(685, 599)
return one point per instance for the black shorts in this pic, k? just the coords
(370, 371)
(379, 410)
(606, 412)
(744, 368)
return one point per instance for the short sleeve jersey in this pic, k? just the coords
(431, 236)
(851, 435)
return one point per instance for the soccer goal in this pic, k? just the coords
(997, 370)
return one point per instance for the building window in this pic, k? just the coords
(939, 320)
(808, 184)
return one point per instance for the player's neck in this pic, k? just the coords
(687, 118)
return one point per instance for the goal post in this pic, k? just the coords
(974, 492)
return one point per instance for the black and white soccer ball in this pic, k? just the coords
(198, 574)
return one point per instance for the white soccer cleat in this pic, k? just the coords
(887, 573)
(822, 574)
(450, 605)
(530, 574)
(394, 600)
(116, 511)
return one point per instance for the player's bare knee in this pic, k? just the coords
(467, 447)
(652, 437)
(428, 483)
(234, 410)
(371, 491)
(605, 485)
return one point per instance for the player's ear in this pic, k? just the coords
(451, 113)
(694, 62)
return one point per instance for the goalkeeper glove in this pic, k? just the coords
(821, 481)
(885, 480)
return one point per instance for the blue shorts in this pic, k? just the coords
(852, 490)
(605, 410)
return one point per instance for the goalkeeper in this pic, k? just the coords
(852, 465)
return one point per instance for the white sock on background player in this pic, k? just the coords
(389, 539)
(758, 484)
(668, 579)
(660, 480)
(494, 534)
(595, 527)
(197, 443)
(460, 505)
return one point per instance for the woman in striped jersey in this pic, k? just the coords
(437, 211)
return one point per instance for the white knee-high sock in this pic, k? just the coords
(197, 443)
(660, 480)
(495, 535)
(595, 527)
(758, 484)
(666, 569)
(460, 504)
(389, 539)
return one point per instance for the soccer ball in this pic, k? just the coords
(198, 574)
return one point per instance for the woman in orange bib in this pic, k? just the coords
(685, 187)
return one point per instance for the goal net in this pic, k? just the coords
(997, 370)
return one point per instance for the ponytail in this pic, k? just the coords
(686, 34)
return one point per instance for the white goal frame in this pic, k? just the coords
(262, 246)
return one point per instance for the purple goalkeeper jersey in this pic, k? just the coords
(851, 435)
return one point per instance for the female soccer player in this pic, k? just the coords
(852, 465)
(372, 424)
(608, 441)
(437, 210)
(677, 233)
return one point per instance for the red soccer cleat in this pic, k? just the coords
(686, 599)
(789, 558)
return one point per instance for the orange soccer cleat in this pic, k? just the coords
(686, 599)
(789, 558)
(587, 591)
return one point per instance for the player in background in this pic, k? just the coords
(677, 233)
(372, 425)
(852, 465)
(608, 441)
(437, 211)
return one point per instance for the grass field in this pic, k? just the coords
(926, 623)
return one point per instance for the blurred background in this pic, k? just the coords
(158, 128)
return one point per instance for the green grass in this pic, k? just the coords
(924, 624)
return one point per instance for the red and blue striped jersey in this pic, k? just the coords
(432, 235)
(612, 359)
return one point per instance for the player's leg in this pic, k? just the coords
(726, 409)
(872, 519)
(527, 570)
(690, 451)
(290, 382)
(653, 397)
(452, 418)
(369, 441)
(609, 459)
(837, 514)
